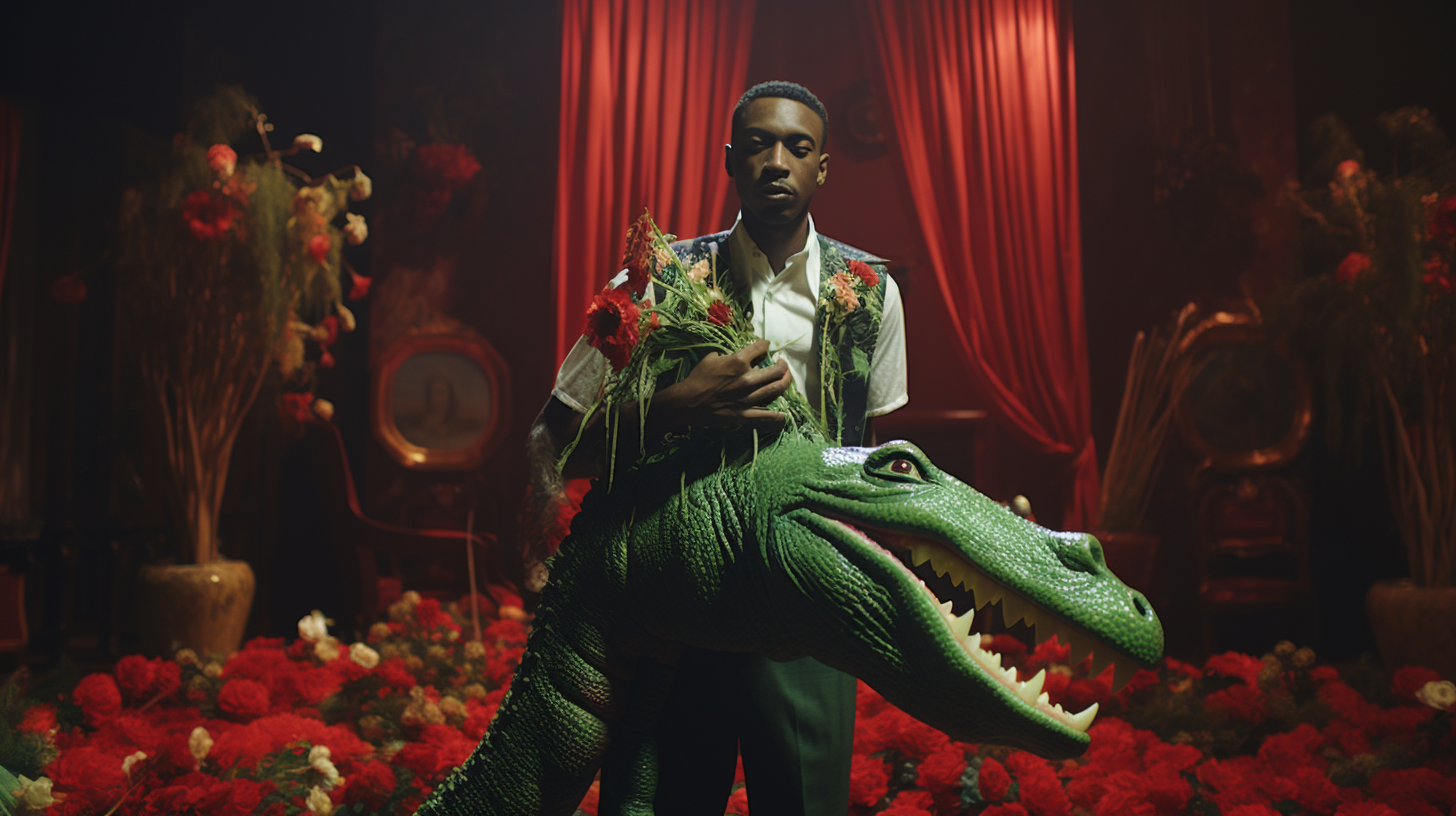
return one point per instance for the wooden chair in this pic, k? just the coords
(431, 561)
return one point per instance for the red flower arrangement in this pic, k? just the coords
(864, 272)
(611, 326)
(720, 313)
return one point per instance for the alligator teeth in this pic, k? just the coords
(974, 641)
(1043, 699)
(919, 554)
(1083, 720)
(1010, 674)
(1013, 608)
(1031, 689)
(961, 626)
(940, 560)
(957, 570)
(945, 609)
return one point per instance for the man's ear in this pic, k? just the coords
(728, 159)
(823, 168)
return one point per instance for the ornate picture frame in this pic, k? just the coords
(440, 401)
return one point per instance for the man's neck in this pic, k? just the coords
(778, 242)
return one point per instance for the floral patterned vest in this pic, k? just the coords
(848, 357)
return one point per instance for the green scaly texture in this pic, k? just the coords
(786, 550)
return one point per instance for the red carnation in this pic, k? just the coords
(942, 770)
(1252, 810)
(1041, 791)
(1354, 265)
(393, 672)
(359, 285)
(1233, 664)
(318, 246)
(98, 697)
(222, 159)
(865, 272)
(869, 780)
(1365, 809)
(371, 785)
(611, 326)
(994, 780)
(38, 720)
(1012, 809)
(720, 313)
(141, 679)
(910, 803)
(243, 698)
(637, 257)
(1241, 703)
(207, 214)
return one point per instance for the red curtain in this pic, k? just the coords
(647, 88)
(984, 108)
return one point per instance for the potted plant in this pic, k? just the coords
(1379, 313)
(227, 266)
(1155, 381)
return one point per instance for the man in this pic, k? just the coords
(794, 721)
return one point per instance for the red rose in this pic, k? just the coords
(98, 697)
(864, 272)
(1013, 809)
(38, 720)
(869, 779)
(1409, 679)
(222, 159)
(611, 326)
(910, 803)
(243, 698)
(207, 214)
(1241, 703)
(359, 285)
(1232, 664)
(1354, 265)
(68, 289)
(994, 780)
(1186, 669)
(1365, 809)
(393, 672)
(318, 246)
(638, 255)
(720, 313)
(1041, 790)
(371, 785)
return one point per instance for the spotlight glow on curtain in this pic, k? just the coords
(984, 108)
(646, 92)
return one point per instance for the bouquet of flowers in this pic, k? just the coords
(670, 313)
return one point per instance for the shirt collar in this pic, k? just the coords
(752, 267)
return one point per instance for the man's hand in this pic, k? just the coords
(725, 389)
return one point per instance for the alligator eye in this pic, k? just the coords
(905, 469)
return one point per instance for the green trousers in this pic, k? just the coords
(793, 723)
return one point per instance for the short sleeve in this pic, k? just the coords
(889, 378)
(581, 376)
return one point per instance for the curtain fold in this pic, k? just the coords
(10, 127)
(984, 111)
(647, 88)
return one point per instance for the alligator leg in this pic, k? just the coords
(629, 775)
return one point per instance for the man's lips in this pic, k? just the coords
(776, 191)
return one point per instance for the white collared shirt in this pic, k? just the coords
(784, 305)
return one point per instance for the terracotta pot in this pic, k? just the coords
(1414, 625)
(202, 607)
(1130, 556)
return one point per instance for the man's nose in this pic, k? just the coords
(778, 157)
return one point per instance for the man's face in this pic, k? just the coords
(777, 159)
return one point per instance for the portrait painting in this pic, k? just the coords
(439, 400)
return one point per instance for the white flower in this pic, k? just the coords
(313, 626)
(199, 744)
(132, 760)
(308, 141)
(363, 186)
(356, 230)
(327, 649)
(319, 802)
(346, 318)
(318, 757)
(363, 655)
(1438, 694)
(33, 794)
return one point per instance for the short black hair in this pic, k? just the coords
(782, 89)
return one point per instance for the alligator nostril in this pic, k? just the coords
(1142, 605)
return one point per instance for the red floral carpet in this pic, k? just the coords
(318, 726)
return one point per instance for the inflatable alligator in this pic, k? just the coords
(870, 559)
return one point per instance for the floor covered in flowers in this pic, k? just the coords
(322, 726)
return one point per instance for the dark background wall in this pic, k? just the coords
(1248, 75)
